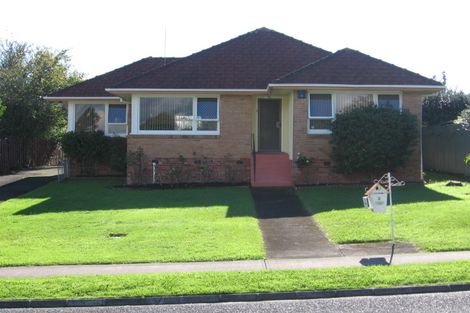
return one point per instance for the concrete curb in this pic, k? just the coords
(245, 297)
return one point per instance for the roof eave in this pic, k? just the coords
(126, 91)
(427, 88)
(58, 98)
(80, 98)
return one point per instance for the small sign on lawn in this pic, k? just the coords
(376, 198)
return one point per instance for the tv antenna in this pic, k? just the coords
(164, 48)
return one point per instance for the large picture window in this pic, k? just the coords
(346, 101)
(166, 113)
(179, 115)
(89, 117)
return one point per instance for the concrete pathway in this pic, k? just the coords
(14, 185)
(288, 229)
(252, 265)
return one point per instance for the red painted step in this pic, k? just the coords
(271, 170)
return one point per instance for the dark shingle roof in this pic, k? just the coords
(95, 87)
(250, 61)
(349, 66)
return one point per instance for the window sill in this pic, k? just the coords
(319, 132)
(169, 136)
(177, 133)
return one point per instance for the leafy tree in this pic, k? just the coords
(464, 119)
(372, 140)
(2, 108)
(445, 106)
(27, 74)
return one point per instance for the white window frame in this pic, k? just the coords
(197, 119)
(194, 131)
(333, 93)
(71, 116)
(399, 94)
(107, 123)
(332, 117)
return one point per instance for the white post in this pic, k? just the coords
(392, 221)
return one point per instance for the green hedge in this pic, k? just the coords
(372, 140)
(95, 147)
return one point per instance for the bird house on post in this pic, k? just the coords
(376, 198)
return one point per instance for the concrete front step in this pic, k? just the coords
(272, 170)
(258, 184)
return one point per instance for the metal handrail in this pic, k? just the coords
(253, 152)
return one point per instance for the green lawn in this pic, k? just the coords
(432, 216)
(233, 282)
(70, 223)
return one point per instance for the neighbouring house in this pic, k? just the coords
(241, 111)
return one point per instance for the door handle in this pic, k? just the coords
(278, 124)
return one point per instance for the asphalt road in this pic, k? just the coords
(426, 303)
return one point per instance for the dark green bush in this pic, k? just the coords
(444, 107)
(94, 147)
(372, 140)
(117, 153)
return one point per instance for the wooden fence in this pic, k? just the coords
(445, 148)
(15, 154)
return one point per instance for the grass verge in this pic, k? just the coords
(233, 282)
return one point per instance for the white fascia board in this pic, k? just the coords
(154, 90)
(263, 91)
(332, 86)
(81, 98)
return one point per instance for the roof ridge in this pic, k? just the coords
(219, 45)
(305, 66)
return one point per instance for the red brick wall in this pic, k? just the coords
(318, 147)
(77, 169)
(216, 157)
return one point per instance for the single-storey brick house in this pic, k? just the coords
(241, 111)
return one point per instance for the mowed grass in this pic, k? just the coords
(70, 223)
(435, 217)
(167, 284)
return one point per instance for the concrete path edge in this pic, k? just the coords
(245, 297)
(247, 265)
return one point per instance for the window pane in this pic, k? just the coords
(89, 117)
(117, 113)
(320, 124)
(117, 129)
(207, 125)
(320, 105)
(389, 101)
(345, 102)
(166, 113)
(207, 108)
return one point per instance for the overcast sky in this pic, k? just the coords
(427, 37)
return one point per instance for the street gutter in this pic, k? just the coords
(245, 297)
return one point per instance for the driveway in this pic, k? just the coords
(14, 185)
(288, 229)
